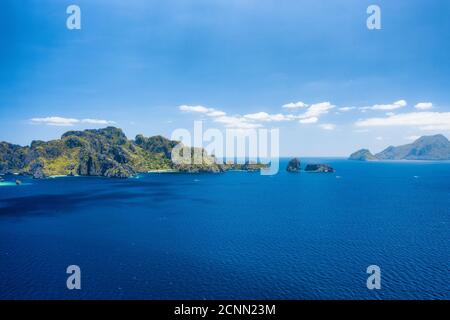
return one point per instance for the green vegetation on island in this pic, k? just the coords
(104, 152)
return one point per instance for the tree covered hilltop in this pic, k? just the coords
(104, 152)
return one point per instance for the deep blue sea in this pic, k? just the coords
(236, 235)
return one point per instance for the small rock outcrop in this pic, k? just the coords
(319, 168)
(293, 165)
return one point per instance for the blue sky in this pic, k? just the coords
(136, 63)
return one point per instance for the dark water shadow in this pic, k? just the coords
(56, 204)
(49, 204)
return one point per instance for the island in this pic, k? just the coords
(293, 166)
(362, 155)
(105, 152)
(319, 168)
(436, 147)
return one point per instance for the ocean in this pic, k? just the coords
(235, 235)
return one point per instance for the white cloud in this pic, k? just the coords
(254, 120)
(198, 109)
(97, 121)
(295, 105)
(346, 109)
(327, 126)
(379, 138)
(309, 120)
(424, 105)
(412, 138)
(261, 116)
(216, 113)
(437, 127)
(237, 122)
(264, 116)
(68, 122)
(422, 120)
(55, 121)
(317, 110)
(392, 106)
(311, 115)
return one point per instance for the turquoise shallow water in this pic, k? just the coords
(7, 184)
(236, 235)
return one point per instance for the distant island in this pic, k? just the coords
(294, 166)
(435, 147)
(104, 152)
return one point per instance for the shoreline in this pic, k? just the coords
(16, 175)
(162, 171)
